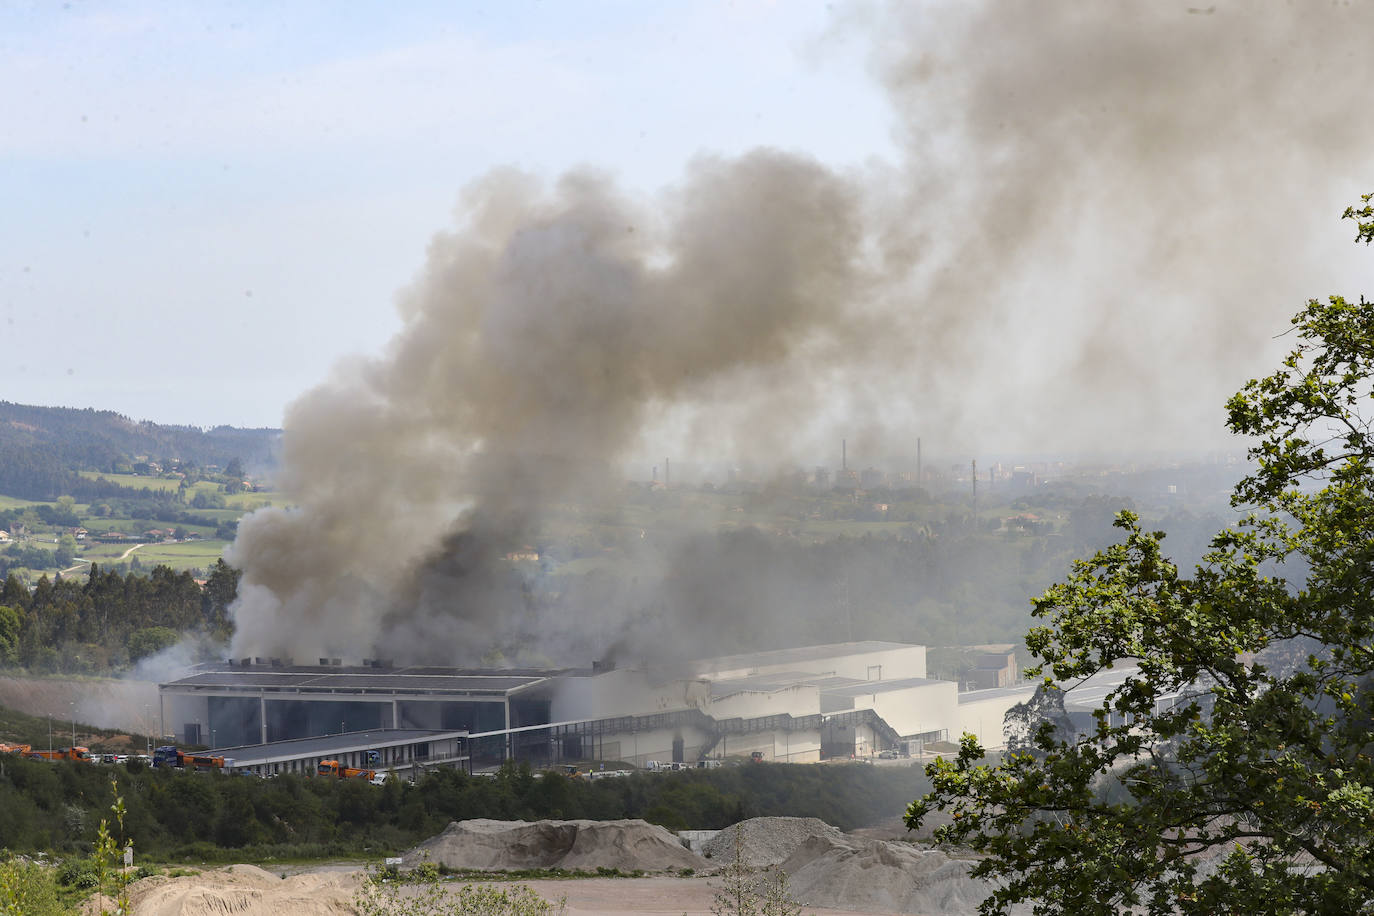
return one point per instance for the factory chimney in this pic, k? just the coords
(844, 455)
(667, 473)
(918, 461)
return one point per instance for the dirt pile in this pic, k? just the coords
(882, 876)
(767, 840)
(628, 845)
(244, 890)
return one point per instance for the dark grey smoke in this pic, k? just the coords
(1104, 213)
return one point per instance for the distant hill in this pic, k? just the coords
(41, 447)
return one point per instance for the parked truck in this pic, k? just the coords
(334, 769)
(66, 753)
(171, 756)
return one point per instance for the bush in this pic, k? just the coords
(27, 888)
(78, 873)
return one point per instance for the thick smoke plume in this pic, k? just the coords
(1103, 214)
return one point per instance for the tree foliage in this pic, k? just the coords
(111, 619)
(1254, 792)
(47, 806)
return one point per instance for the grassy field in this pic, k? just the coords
(9, 502)
(135, 481)
(188, 555)
(246, 502)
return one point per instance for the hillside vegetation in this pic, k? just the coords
(211, 817)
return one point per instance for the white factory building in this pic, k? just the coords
(799, 705)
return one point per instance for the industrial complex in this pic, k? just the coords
(793, 705)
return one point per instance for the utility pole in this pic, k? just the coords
(975, 490)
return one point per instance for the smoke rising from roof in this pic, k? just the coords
(1102, 217)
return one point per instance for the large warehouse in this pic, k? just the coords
(788, 705)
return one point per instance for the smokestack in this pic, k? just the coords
(844, 455)
(667, 473)
(655, 473)
(918, 461)
(974, 475)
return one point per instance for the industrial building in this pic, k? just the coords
(798, 705)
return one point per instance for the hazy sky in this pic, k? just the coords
(206, 205)
(1081, 224)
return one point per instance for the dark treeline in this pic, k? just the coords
(110, 619)
(176, 815)
(41, 472)
(102, 439)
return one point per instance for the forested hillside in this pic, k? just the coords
(42, 447)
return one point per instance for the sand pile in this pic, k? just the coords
(504, 845)
(767, 840)
(882, 876)
(244, 890)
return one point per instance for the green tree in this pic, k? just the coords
(150, 641)
(1254, 793)
(11, 621)
(65, 552)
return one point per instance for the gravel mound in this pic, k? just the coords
(244, 890)
(628, 845)
(882, 876)
(767, 840)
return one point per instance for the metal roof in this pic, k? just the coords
(764, 683)
(408, 680)
(330, 745)
(990, 693)
(872, 687)
(798, 655)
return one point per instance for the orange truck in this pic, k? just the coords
(332, 768)
(21, 749)
(170, 756)
(66, 753)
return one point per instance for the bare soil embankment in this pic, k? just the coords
(628, 845)
(831, 872)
